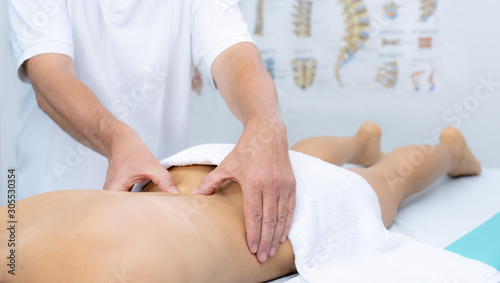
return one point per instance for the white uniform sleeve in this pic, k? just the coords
(39, 27)
(216, 25)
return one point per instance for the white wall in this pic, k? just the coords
(9, 92)
(470, 45)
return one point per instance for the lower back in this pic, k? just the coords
(94, 236)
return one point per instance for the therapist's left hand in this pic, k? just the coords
(260, 163)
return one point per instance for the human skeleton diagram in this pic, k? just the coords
(304, 71)
(358, 31)
(388, 74)
(428, 9)
(259, 26)
(302, 18)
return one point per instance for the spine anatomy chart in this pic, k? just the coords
(358, 31)
(302, 18)
(352, 47)
(428, 9)
(259, 26)
(304, 71)
(388, 74)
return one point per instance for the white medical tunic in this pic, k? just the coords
(137, 56)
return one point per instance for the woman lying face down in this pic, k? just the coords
(153, 236)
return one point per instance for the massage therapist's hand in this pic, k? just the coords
(131, 162)
(78, 111)
(260, 163)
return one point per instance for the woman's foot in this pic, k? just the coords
(369, 135)
(464, 163)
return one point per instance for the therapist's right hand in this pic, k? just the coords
(78, 111)
(131, 162)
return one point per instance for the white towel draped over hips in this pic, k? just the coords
(337, 232)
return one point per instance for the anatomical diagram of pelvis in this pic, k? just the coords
(304, 71)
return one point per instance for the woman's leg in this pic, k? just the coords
(362, 149)
(410, 169)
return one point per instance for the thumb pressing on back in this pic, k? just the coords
(163, 179)
(211, 182)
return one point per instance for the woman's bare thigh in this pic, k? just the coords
(388, 199)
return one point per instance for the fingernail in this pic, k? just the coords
(174, 190)
(283, 238)
(263, 256)
(195, 191)
(273, 251)
(254, 249)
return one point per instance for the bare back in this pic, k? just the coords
(106, 236)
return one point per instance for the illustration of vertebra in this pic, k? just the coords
(269, 64)
(386, 41)
(391, 10)
(304, 71)
(259, 25)
(388, 74)
(357, 27)
(425, 42)
(428, 9)
(302, 18)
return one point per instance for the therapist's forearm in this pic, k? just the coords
(73, 105)
(260, 161)
(245, 85)
(76, 109)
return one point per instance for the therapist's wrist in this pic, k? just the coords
(273, 123)
(117, 137)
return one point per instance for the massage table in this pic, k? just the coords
(448, 211)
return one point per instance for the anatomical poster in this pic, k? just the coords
(347, 46)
